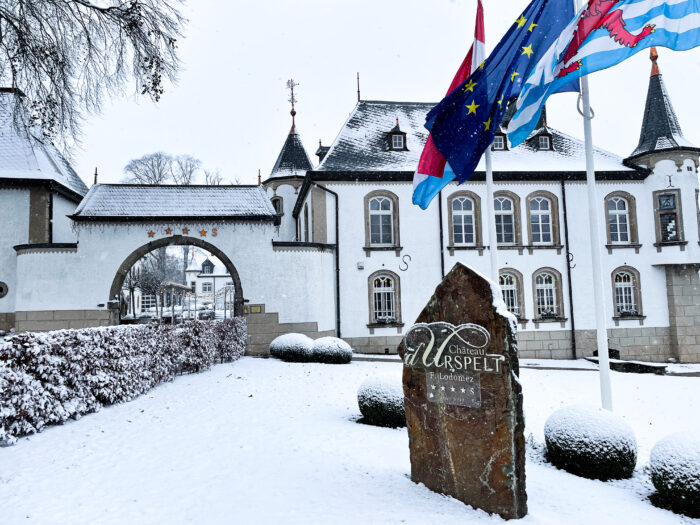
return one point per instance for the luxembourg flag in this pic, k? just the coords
(603, 34)
(433, 174)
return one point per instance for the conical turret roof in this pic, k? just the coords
(660, 128)
(293, 159)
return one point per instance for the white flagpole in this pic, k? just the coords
(490, 217)
(598, 291)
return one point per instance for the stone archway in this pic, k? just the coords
(175, 240)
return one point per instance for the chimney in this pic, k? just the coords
(321, 151)
(259, 178)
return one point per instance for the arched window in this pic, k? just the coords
(277, 204)
(381, 222)
(541, 220)
(463, 223)
(547, 294)
(384, 298)
(510, 282)
(504, 210)
(627, 292)
(618, 220)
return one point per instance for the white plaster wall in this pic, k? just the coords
(298, 285)
(287, 227)
(62, 225)
(14, 217)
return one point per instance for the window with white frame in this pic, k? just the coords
(546, 295)
(625, 294)
(499, 142)
(397, 142)
(148, 301)
(505, 220)
(618, 220)
(541, 220)
(207, 287)
(381, 226)
(383, 299)
(544, 142)
(463, 221)
(509, 287)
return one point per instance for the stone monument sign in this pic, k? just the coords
(464, 405)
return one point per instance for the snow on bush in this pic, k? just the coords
(47, 378)
(295, 348)
(331, 350)
(381, 402)
(590, 442)
(675, 472)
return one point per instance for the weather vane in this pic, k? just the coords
(292, 99)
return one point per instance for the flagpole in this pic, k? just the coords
(598, 292)
(490, 218)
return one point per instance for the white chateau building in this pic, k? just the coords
(340, 249)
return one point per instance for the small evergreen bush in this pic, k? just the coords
(381, 403)
(294, 348)
(675, 472)
(331, 350)
(590, 442)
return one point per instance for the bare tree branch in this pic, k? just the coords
(184, 169)
(154, 168)
(212, 177)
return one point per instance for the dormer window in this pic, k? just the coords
(207, 267)
(397, 142)
(396, 139)
(545, 142)
(499, 143)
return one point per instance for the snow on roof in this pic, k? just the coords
(293, 159)
(25, 156)
(362, 144)
(143, 201)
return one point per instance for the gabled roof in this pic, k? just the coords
(293, 159)
(361, 145)
(660, 128)
(106, 202)
(26, 157)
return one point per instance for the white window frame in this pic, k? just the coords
(546, 294)
(625, 292)
(536, 228)
(380, 213)
(384, 299)
(397, 142)
(544, 142)
(460, 216)
(509, 287)
(501, 214)
(148, 301)
(614, 218)
(499, 142)
(207, 287)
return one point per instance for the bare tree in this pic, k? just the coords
(154, 168)
(184, 169)
(67, 55)
(212, 177)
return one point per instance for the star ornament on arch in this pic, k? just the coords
(203, 233)
(168, 231)
(151, 233)
(185, 231)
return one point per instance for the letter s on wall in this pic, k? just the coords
(404, 261)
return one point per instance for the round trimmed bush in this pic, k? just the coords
(590, 442)
(381, 403)
(675, 472)
(294, 348)
(331, 350)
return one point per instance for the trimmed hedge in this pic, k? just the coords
(299, 348)
(590, 442)
(331, 350)
(381, 403)
(675, 472)
(48, 378)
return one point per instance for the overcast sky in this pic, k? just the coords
(230, 109)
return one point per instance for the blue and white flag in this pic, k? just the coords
(604, 33)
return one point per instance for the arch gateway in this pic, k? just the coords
(76, 285)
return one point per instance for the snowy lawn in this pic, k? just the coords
(262, 441)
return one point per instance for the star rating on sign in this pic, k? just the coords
(452, 389)
(432, 386)
(463, 390)
(442, 388)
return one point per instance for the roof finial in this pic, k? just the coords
(654, 56)
(259, 178)
(358, 86)
(95, 174)
(290, 86)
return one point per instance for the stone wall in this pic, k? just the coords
(381, 344)
(683, 293)
(264, 327)
(46, 320)
(7, 321)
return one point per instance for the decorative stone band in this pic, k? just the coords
(46, 247)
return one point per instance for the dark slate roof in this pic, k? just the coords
(133, 201)
(361, 145)
(293, 159)
(24, 156)
(660, 128)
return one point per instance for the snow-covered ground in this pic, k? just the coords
(262, 441)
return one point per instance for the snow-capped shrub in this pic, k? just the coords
(47, 378)
(675, 472)
(381, 402)
(331, 350)
(590, 442)
(292, 347)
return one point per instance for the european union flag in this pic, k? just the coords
(464, 123)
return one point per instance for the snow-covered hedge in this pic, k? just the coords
(299, 348)
(590, 442)
(331, 350)
(675, 472)
(381, 402)
(47, 378)
(292, 347)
